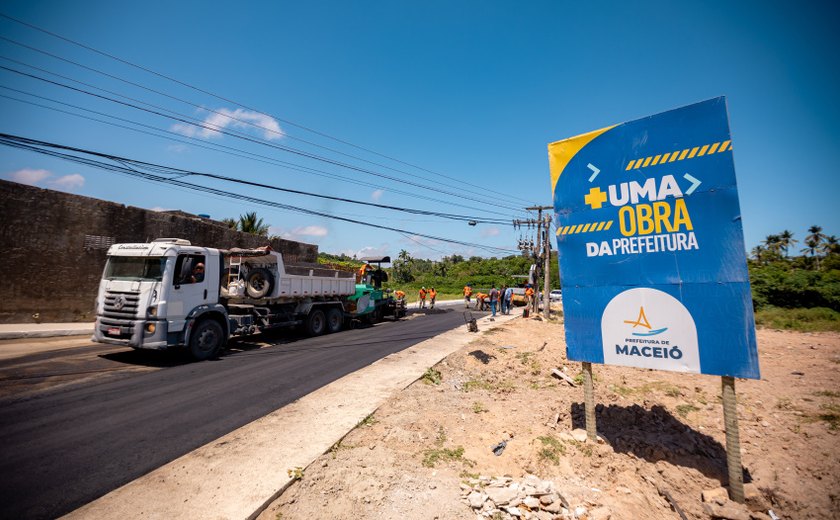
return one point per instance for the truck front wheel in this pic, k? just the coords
(335, 320)
(206, 340)
(316, 323)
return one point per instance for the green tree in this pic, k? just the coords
(232, 223)
(249, 223)
(787, 241)
(402, 268)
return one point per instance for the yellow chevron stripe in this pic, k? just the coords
(630, 165)
(683, 154)
(647, 161)
(724, 146)
(601, 225)
(702, 151)
(656, 160)
(714, 148)
(693, 152)
(665, 157)
(609, 225)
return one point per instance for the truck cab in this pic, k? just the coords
(154, 295)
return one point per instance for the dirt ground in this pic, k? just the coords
(430, 448)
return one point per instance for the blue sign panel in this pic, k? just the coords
(651, 248)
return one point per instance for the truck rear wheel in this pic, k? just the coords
(335, 320)
(206, 340)
(316, 323)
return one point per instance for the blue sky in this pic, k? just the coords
(471, 90)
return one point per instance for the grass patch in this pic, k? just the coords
(479, 384)
(827, 393)
(551, 449)
(479, 408)
(684, 409)
(367, 422)
(433, 457)
(645, 389)
(621, 390)
(338, 446)
(830, 416)
(802, 320)
(584, 448)
(526, 359)
(432, 377)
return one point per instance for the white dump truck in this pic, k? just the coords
(169, 293)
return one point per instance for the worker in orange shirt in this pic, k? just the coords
(529, 293)
(481, 301)
(363, 271)
(422, 303)
(399, 294)
(432, 296)
(467, 295)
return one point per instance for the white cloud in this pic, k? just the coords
(311, 231)
(46, 178)
(490, 232)
(29, 176)
(67, 182)
(299, 233)
(224, 118)
(371, 251)
(376, 195)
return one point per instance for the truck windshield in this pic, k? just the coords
(135, 268)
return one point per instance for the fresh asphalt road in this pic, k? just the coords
(63, 448)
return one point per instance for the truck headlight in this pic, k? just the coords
(150, 328)
(151, 311)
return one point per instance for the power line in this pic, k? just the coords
(44, 148)
(195, 121)
(198, 89)
(224, 149)
(238, 135)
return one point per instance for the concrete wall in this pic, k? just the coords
(54, 244)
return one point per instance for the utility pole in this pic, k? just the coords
(542, 249)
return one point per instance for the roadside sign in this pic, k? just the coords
(651, 248)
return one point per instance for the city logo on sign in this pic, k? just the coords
(642, 321)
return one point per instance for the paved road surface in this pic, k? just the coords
(61, 447)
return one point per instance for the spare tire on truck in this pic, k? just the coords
(259, 283)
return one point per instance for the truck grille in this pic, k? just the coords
(120, 306)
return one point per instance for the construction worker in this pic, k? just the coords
(480, 301)
(467, 295)
(399, 294)
(363, 271)
(494, 300)
(422, 304)
(432, 296)
(529, 294)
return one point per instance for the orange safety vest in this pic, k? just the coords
(529, 292)
(467, 291)
(432, 294)
(422, 294)
(400, 295)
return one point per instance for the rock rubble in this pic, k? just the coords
(529, 498)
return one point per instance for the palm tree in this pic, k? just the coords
(232, 223)
(249, 223)
(757, 251)
(816, 234)
(787, 241)
(814, 242)
(812, 245)
(830, 246)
